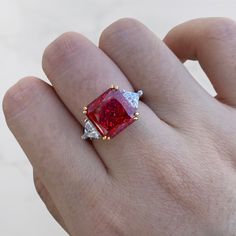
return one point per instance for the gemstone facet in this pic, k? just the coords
(90, 131)
(133, 98)
(110, 113)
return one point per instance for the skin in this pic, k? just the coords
(171, 173)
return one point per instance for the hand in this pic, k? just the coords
(171, 173)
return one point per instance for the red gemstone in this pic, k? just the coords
(110, 113)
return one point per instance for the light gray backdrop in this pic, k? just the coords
(26, 27)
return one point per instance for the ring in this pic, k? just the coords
(110, 113)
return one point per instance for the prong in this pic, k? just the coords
(84, 112)
(85, 108)
(140, 93)
(136, 115)
(104, 137)
(114, 87)
(85, 120)
(108, 138)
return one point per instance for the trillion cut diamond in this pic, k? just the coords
(90, 131)
(132, 98)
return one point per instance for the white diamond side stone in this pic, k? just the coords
(90, 131)
(132, 98)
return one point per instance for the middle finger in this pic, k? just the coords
(170, 90)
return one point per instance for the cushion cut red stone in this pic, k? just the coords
(111, 113)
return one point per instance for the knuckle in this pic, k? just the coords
(114, 225)
(19, 97)
(60, 49)
(111, 221)
(65, 42)
(119, 30)
(221, 29)
(107, 212)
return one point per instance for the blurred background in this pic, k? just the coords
(26, 28)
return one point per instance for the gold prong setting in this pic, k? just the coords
(106, 138)
(136, 115)
(85, 109)
(114, 87)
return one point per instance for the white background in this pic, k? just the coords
(26, 27)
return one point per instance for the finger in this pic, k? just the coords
(148, 64)
(211, 41)
(50, 137)
(80, 72)
(48, 201)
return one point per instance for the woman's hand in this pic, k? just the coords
(171, 173)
